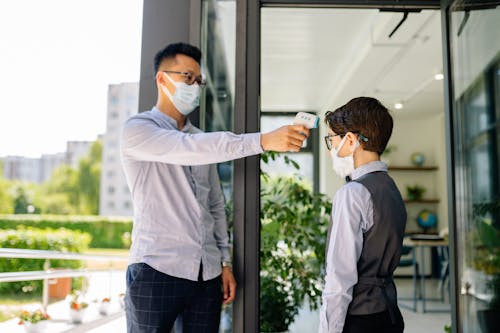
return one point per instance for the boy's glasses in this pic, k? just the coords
(328, 141)
(190, 78)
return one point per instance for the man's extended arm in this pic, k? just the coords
(143, 139)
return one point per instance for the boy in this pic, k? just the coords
(367, 224)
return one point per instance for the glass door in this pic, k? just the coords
(474, 47)
(218, 30)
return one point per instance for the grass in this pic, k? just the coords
(12, 303)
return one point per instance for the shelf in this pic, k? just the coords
(412, 168)
(424, 201)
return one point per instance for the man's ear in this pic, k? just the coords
(160, 78)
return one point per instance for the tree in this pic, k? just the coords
(59, 195)
(21, 201)
(74, 191)
(89, 179)
(24, 198)
(6, 202)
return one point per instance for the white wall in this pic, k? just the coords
(421, 133)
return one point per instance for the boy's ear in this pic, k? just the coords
(351, 138)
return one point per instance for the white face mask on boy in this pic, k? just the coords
(343, 166)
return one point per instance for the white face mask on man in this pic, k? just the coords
(186, 97)
(343, 166)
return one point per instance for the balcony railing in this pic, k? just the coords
(49, 273)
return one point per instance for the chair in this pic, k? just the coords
(444, 274)
(408, 258)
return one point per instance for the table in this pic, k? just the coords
(422, 244)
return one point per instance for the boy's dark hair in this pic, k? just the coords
(365, 116)
(171, 50)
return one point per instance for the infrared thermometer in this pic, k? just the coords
(306, 119)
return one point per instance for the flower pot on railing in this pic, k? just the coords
(34, 321)
(121, 300)
(77, 308)
(77, 315)
(39, 327)
(105, 306)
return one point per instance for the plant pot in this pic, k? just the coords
(39, 327)
(489, 320)
(104, 308)
(77, 315)
(121, 300)
(59, 288)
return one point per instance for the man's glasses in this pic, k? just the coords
(190, 78)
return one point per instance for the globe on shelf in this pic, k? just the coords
(417, 159)
(427, 219)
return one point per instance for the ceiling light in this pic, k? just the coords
(398, 106)
(438, 76)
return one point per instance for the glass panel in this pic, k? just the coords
(217, 105)
(279, 166)
(475, 52)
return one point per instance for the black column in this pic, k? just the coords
(247, 171)
(450, 166)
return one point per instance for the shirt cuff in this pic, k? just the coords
(225, 255)
(251, 142)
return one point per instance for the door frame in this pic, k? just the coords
(247, 170)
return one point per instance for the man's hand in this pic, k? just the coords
(285, 139)
(228, 285)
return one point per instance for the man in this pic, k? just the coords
(179, 259)
(367, 224)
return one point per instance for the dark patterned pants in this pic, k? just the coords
(154, 300)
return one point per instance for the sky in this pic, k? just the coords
(57, 58)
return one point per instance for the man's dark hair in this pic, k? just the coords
(171, 50)
(364, 116)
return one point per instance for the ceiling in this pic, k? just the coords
(318, 59)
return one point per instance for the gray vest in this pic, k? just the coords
(375, 290)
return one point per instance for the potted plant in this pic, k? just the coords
(486, 237)
(105, 306)
(294, 223)
(121, 300)
(34, 321)
(77, 308)
(415, 192)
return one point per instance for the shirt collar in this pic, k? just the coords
(171, 121)
(368, 168)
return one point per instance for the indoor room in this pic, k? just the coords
(315, 60)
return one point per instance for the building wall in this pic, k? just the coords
(39, 170)
(114, 193)
(49, 162)
(75, 151)
(21, 168)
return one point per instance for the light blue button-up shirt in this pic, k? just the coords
(352, 216)
(179, 215)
